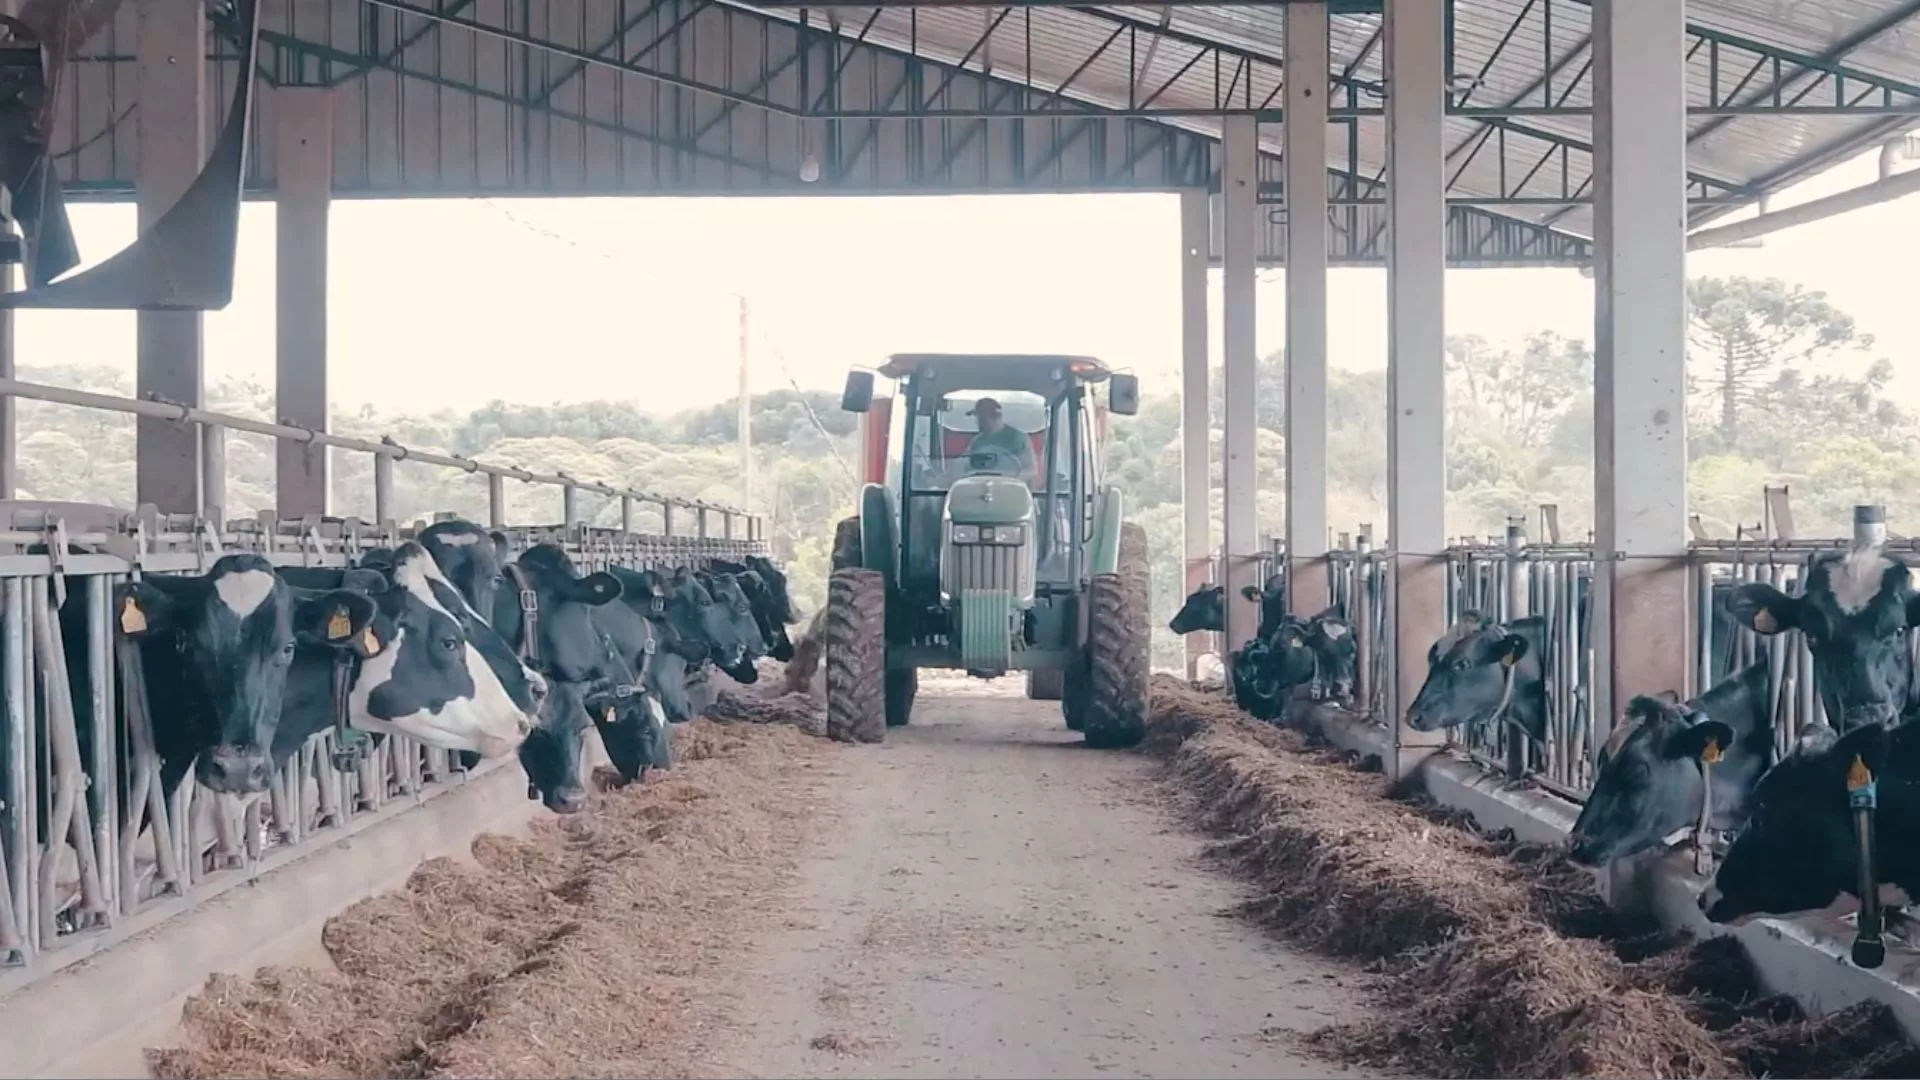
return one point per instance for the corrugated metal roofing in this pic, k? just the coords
(1504, 48)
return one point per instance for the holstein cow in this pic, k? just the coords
(1480, 670)
(690, 614)
(1657, 775)
(216, 650)
(1205, 608)
(1798, 853)
(675, 658)
(1855, 610)
(731, 602)
(766, 590)
(1316, 652)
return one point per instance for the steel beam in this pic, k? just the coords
(303, 164)
(171, 149)
(1239, 161)
(1640, 366)
(1416, 372)
(1306, 38)
(1196, 487)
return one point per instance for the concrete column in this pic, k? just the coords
(9, 427)
(304, 171)
(1416, 375)
(1195, 486)
(1640, 337)
(1239, 158)
(1307, 60)
(303, 168)
(171, 137)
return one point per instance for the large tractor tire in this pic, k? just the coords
(902, 685)
(1113, 713)
(1045, 684)
(856, 654)
(846, 544)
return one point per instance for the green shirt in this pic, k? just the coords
(1006, 440)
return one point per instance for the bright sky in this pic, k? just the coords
(440, 304)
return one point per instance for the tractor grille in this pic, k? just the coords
(987, 566)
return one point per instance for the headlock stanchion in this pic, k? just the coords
(1869, 951)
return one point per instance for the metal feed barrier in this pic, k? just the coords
(91, 852)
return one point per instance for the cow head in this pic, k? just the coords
(1273, 603)
(1797, 852)
(776, 580)
(1479, 670)
(235, 628)
(552, 754)
(1205, 609)
(1854, 612)
(568, 644)
(1652, 773)
(771, 609)
(731, 603)
(437, 673)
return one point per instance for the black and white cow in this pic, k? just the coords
(1653, 780)
(216, 650)
(1313, 652)
(676, 659)
(690, 614)
(1205, 608)
(766, 591)
(1854, 611)
(731, 603)
(1481, 670)
(1797, 852)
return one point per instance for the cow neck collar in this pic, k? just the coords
(529, 649)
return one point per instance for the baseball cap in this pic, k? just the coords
(986, 406)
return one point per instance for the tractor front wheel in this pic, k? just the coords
(1044, 684)
(856, 649)
(902, 685)
(1113, 675)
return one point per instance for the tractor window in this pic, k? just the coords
(955, 442)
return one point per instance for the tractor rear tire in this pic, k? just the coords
(846, 544)
(1045, 684)
(856, 656)
(1119, 649)
(902, 685)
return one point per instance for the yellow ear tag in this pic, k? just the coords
(339, 624)
(1764, 622)
(1858, 775)
(369, 643)
(132, 619)
(609, 714)
(1711, 752)
(1509, 660)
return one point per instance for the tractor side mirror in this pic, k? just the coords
(1123, 395)
(858, 395)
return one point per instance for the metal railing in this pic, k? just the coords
(91, 850)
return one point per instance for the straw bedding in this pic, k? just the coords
(589, 948)
(1494, 958)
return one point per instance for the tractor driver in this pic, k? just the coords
(994, 434)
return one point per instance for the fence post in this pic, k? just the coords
(1516, 605)
(569, 506)
(700, 523)
(666, 519)
(382, 490)
(496, 500)
(1361, 618)
(626, 514)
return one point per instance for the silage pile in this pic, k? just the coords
(587, 949)
(1497, 959)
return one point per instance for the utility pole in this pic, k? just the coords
(746, 415)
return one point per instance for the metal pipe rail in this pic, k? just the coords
(214, 425)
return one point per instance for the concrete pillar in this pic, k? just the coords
(1416, 374)
(171, 144)
(9, 428)
(1239, 159)
(1195, 486)
(303, 169)
(1307, 60)
(1640, 338)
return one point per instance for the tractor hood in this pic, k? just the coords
(989, 500)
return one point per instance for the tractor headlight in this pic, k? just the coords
(1009, 534)
(966, 534)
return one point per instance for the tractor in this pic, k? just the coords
(988, 541)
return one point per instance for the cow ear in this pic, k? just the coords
(1764, 609)
(594, 589)
(336, 619)
(1705, 741)
(145, 607)
(1251, 592)
(1512, 648)
(1329, 627)
(1814, 739)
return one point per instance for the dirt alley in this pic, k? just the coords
(989, 898)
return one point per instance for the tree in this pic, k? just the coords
(1520, 396)
(1748, 339)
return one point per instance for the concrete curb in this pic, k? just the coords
(1345, 729)
(1804, 957)
(63, 1025)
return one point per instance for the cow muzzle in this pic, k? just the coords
(235, 770)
